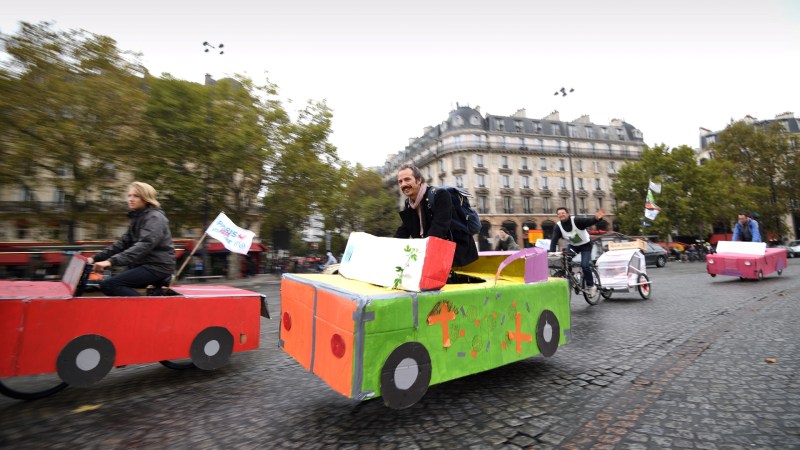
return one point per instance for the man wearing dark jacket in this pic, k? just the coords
(421, 221)
(574, 231)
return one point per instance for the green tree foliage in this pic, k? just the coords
(691, 197)
(209, 147)
(71, 112)
(760, 158)
(367, 205)
(304, 173)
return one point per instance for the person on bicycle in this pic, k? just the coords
(574, 231)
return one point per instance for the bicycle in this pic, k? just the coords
(574, 274)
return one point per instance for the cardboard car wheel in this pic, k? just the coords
(405, 375)
(178, 365)
(85, 360)
(211, 348)
(548, 333)
(9, 389)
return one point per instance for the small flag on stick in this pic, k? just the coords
(235, 239)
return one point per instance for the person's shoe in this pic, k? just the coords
(592, 291)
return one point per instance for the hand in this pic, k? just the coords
(90, 260)
(102, 265)
(600, 213)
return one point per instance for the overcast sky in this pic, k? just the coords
(389, 69)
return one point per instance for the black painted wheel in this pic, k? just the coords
(548, 333)
(182, 364)
(405, 375)
(31, 387)
(661, 261)
(85, 360)
(211, 348)
(606, 293)
(644, 286)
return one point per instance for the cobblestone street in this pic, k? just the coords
(688, 368)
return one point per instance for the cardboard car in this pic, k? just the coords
(53, 327)
(366, 341)
(746, 260)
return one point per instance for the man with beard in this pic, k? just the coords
(420, 220)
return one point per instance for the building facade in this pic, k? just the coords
(520, 170)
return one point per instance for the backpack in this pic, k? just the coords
(465, 218)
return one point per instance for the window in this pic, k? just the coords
(518, 125)
(546, 205)
(571, 130)
(582, 206)
(527, 205)
(524, 163)
(109, 171)
(604, 132)
(428, 172)
(562, 183)
(504, 162)
(556, 129)
(481, 180)
(507, 208)
(475, 120)
(542, 163)
(589, 132)
(526, 182)
(596, 166)
(26, 194)
(63, 170)
(597, 185)
(580, 184)
(539, 144)
(478, 160)
(482, 202)
(579, 165)
(561, 166)
(621, 134)
(459, 181)
(543, 183)
(441, 165)
(506, 181)
(612, 167)
(537, 127)
(462, 162)
(59, 196)
(599, 203)
(108, 196)
(499, 123)
(459, 141)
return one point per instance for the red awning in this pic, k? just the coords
(218, 247)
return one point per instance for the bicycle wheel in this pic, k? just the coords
(592, 299)
(644, 286)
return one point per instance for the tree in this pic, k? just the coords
(209, 147)
(690, 194)
(304, 173)
(760, 158)
(366, 205)
(71, 109)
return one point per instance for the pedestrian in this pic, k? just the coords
(146, 247)
(746, 229)
(505, 241)
(574, 231)
(420, 220)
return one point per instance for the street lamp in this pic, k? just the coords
(564, 93)
(206, 203)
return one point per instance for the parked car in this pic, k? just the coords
(793, 249)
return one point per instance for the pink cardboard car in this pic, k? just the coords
(746, 260)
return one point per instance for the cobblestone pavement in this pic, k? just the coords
(686, 369)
